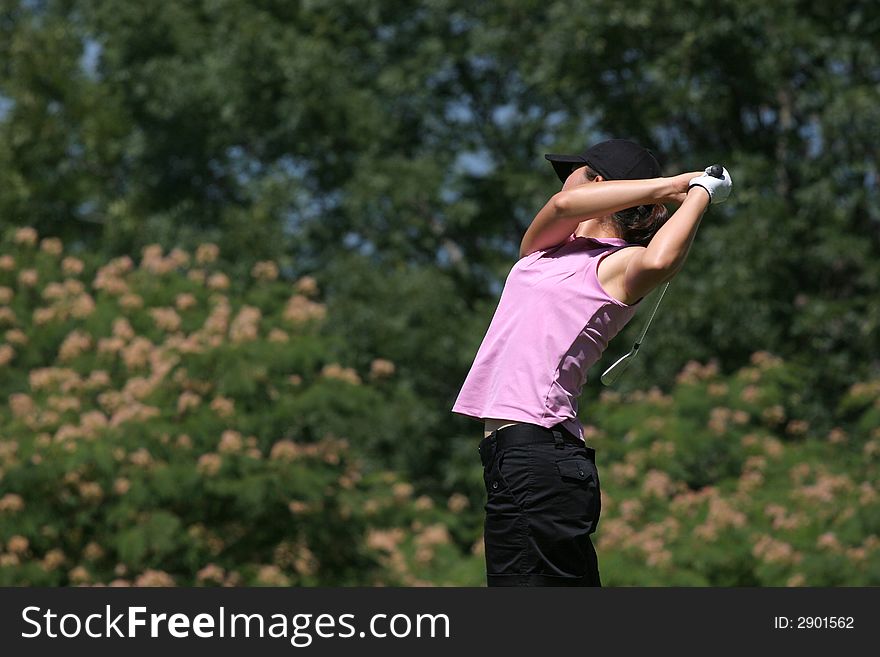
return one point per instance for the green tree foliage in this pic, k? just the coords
(393, 151)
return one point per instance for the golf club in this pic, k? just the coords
(612, 374)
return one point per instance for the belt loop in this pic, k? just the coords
(557, 436)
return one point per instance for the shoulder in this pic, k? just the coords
(617, 260)
(611, 270)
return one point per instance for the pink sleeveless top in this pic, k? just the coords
(552, 324)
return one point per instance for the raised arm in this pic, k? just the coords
(566, 209)
(664, 256)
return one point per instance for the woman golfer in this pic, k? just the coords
(591, 254)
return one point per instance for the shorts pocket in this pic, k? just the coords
(576, 468)
(580, 479)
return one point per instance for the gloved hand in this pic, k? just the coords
(718, 188)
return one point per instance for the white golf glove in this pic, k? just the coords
(718, 188)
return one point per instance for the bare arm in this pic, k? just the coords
(665, 254)
(565, 210)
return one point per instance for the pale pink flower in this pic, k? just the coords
(774, 414)
(740, 417)
(130, 301)
(771, 550)
(277, 335)
(797, 427)
(718, 419)
(384, 539)
(245, 326)
(46, 378)
(657, 484)
(64, 403)
(265, 270)
(53, 559)
(298, 506)
(82, 306)
(93, 422)
(773, 447)
(11, 503)
(307, 285)
(91, 491)
(457, 502)
(836, 436)
(223, 406)
(16, 336)
(71, 266)
(211, 573)
(67, 432)
(272, 575)
(765, 360)
(184, 301)
(284, 450)
(93, 551)
(51, 245)
(423, 503)
(630, 509)
(230, 441)
(187, 400)
(218, 281)
(26, 236)
(381, 368)
(165, 319)
(825, 488)
(110, 345)
(79, 575)
(693, 372)
(867, 494)
(7, 316)
(209, 463)
(6, 294)
(7, 353)
(76, 343)
(402, 490)
(828, 541)
(305, 562)
(137, 353)
(151, 259)
(196, 275)
(154, 578)
(7, 263)
(206, 253)
(21, 404)
(336, 371)
(17, 544)
(28, 277)
(299, 310)
(141, 457)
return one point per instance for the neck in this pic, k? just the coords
(598, 227)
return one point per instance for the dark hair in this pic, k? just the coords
(638, 224)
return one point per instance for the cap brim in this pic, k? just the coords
(562, 164)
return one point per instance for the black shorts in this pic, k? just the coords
(543, 502)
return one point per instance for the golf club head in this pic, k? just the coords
(612, 374)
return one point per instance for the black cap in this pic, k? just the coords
(615, 159)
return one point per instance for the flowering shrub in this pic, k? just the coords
(719, 483)
(167, 425)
